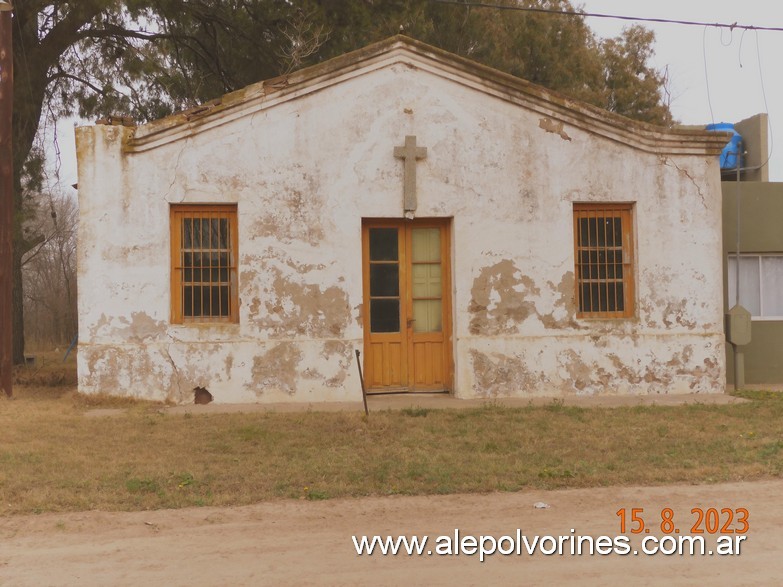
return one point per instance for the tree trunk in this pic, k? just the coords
(30, 83)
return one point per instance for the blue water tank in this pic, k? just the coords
(728, 157)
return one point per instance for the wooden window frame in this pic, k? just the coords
(623, 211)
(177, 212)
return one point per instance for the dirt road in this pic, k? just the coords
(309, 543)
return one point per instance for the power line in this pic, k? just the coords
(707, 73)
(766, 105)
(744, 27)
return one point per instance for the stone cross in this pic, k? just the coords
(410, 153)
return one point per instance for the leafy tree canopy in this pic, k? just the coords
(150, 57)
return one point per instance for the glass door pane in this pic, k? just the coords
(426, 244)
(427, 316)
(384, 280)
(426, 280)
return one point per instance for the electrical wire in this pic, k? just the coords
(739, 51)
(706, 74)
(766, 104)
(731, 37)
(731, 27)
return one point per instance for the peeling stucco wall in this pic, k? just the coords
(304, 172)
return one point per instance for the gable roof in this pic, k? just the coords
(418, 55)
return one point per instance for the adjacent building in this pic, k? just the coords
(753, 209)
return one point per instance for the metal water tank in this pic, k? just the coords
(733, 149)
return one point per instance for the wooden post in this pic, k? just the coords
(6, 198)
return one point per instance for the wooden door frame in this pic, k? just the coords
(406, 294)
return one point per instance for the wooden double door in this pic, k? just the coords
(407, 305)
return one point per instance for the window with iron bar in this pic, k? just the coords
(203, 263)
(603, 251)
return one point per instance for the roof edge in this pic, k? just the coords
(267, 93)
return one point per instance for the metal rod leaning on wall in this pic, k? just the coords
(361, 380)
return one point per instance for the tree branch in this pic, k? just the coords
(118, 32)
(65, 75)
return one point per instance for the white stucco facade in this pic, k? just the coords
(306, 158)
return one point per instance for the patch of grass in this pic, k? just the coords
(104, 400)
(771, 450)
(53, 458)
(315, 494)
(557, 473)
(759, 394)
(415, 412)
(136, 485)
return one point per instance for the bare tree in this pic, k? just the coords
(49, 273)
(303, 39)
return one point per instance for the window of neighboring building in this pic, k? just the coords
(760, 284)
(603, 239)
(203, 263)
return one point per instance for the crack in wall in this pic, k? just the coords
(666, 161)
(177, 374)
(167, 195)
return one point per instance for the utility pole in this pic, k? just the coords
(6, 197)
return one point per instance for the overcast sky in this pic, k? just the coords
(735, 80)
(732, 73)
